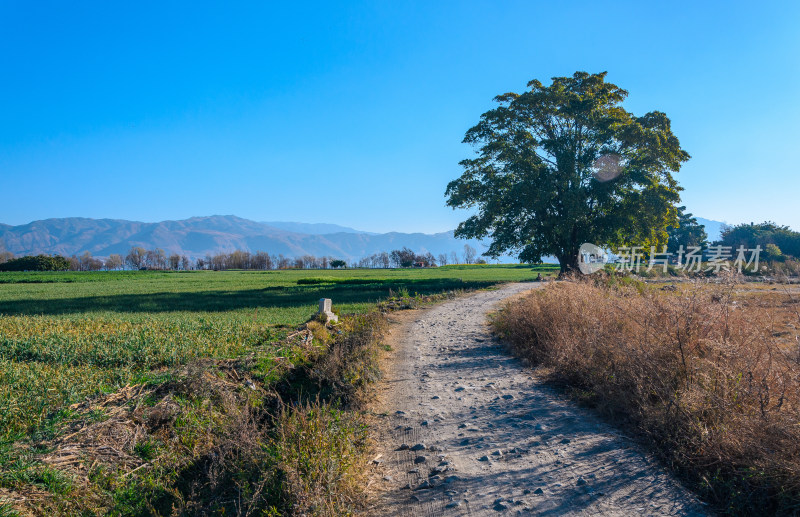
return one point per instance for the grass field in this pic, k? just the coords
(68, 336)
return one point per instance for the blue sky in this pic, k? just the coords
(354, 113)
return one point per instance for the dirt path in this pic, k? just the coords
(495, 439)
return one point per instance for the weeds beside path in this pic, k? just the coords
(707, 374)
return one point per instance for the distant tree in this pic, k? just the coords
(338, 263)
(174, 261)
(155, 259)
(283, 262)
(427, 260)
(36, 263)
(469, 254)
(94, 264)
(74, 263)
(261, 260)
(202, 263)
(384, 259)
(161, 259)
(442, 259)
(238, 259)
(5, 255)
(374, 260)
(453, 257)
(566, 164)
(481, 261)
(403, 257)
(135, 257)
(186, 263)
(217, 262)
(309, 261)
(114, 261)
(688, 232)
(82, 263)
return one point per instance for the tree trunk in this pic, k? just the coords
(568, 264)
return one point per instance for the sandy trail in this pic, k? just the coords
(495, 439)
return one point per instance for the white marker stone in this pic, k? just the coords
(325, 310)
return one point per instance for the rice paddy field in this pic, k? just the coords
(67, 336)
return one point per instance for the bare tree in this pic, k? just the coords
(308, 262)
(442, 259)
(114, 261)
(5, 256)
(186, 263)
(84, 261)
(283, 262)
(174, 261)
(94, 264)
(469, 254)
(237, 260)
(453, 257)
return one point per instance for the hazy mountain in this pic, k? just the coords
(199, 236)
(713, 228)
(313, 228)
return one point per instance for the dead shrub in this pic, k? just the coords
(698, 372)
(319, 450)
(350, 363)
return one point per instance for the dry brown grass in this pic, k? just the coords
(708, 374)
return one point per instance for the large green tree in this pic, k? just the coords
(565, 164)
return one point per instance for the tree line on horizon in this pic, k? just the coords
(778, 242)
(139, 258)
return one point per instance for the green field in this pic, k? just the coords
(68, 336)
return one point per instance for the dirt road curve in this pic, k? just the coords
(496, 440)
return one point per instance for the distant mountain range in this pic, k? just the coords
(313, 228)
(200, 236)
(713, 228)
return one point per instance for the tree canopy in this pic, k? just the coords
(687, 233)
(565, 164)
(36, 263)
(762, 234)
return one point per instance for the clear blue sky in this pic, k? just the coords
(354, 114)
